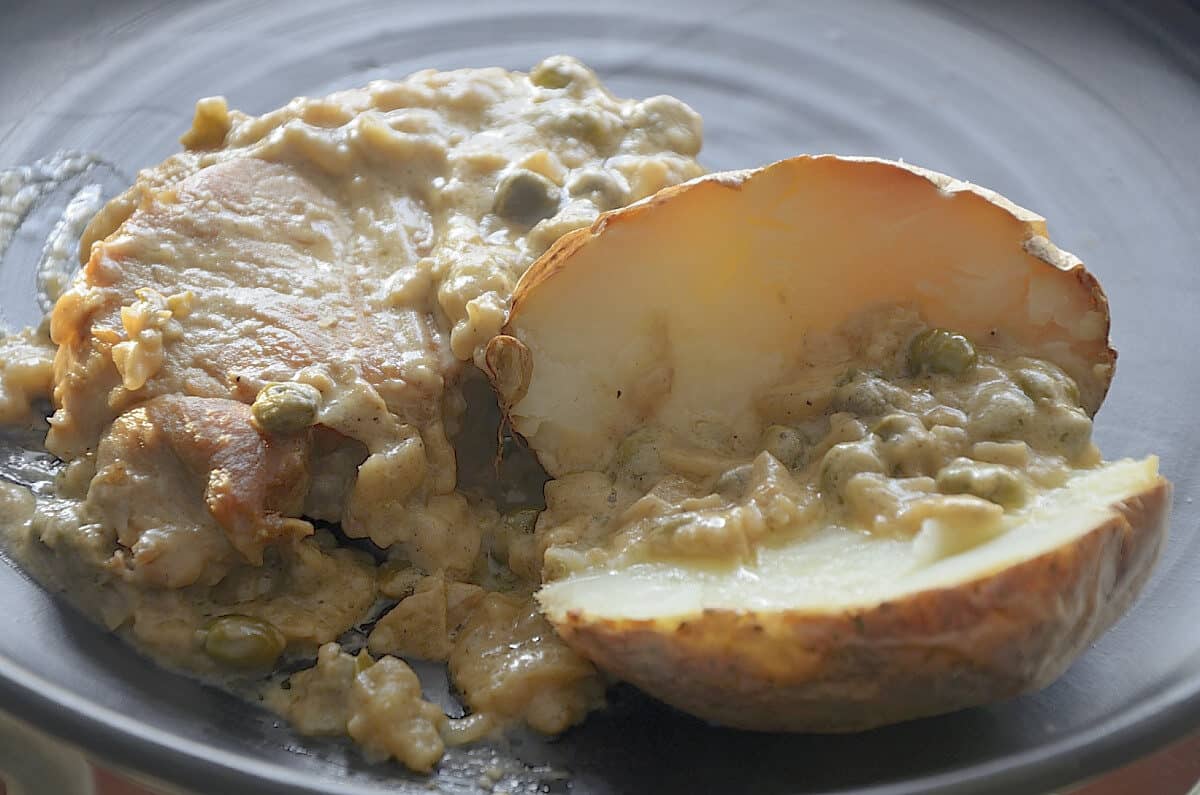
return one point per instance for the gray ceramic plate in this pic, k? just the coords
(1088, 113)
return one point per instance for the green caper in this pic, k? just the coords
(243, 641)
(993, 482)
(521, 521)
(788, 445)
(526, 197)
(939, 350)
(550, 73)
(286, 407)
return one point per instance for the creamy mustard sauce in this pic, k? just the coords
(885, 426)
(258, 374)
(261, 372)
(26, 374)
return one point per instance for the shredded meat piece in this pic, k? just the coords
(187, 481)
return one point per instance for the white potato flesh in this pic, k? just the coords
(694, 317)
(832, 569)
(686, 307)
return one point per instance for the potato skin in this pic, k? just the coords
(929, 653)
(981, 640)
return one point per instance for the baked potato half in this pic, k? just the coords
(809, 596)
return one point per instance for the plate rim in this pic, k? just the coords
(72, 716)
(123, 742)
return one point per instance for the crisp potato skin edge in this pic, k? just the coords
(928, 653)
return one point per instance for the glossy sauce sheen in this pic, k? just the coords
(1082, 111)
(858, 434)
(271, 328)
